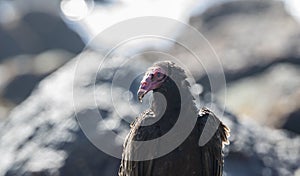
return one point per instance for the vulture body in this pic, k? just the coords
(187, 159)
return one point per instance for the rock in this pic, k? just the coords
(28, 40)
(11, 46)
(35, 33)
(21, 74)
(247, 36)
(292, 122)
(269, 97)
(259, 150)
(21, 87)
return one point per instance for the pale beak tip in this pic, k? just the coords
(141, 96)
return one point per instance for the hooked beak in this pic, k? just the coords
(141, 93)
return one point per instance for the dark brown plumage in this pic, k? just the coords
(188, 158)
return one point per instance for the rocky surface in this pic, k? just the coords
(257, 150)
(33, 45)
(36, 32)
(21, 74)
(267, 97)
(49, 140)
(247, 36)
(292, 122)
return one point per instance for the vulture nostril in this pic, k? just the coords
(144, 84)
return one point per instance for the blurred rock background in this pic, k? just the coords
(258, 43)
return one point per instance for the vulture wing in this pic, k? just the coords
(211, 153)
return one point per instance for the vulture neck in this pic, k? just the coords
(171, 98)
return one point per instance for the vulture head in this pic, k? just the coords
(160, 76)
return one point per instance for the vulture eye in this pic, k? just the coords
(158, 74)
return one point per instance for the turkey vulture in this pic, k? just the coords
(171, 97)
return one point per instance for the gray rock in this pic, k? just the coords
(269, 97)
(21, 74)
(292, 122)
(247, 36)
(36, 32)
(259, 150)
(41, 136)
